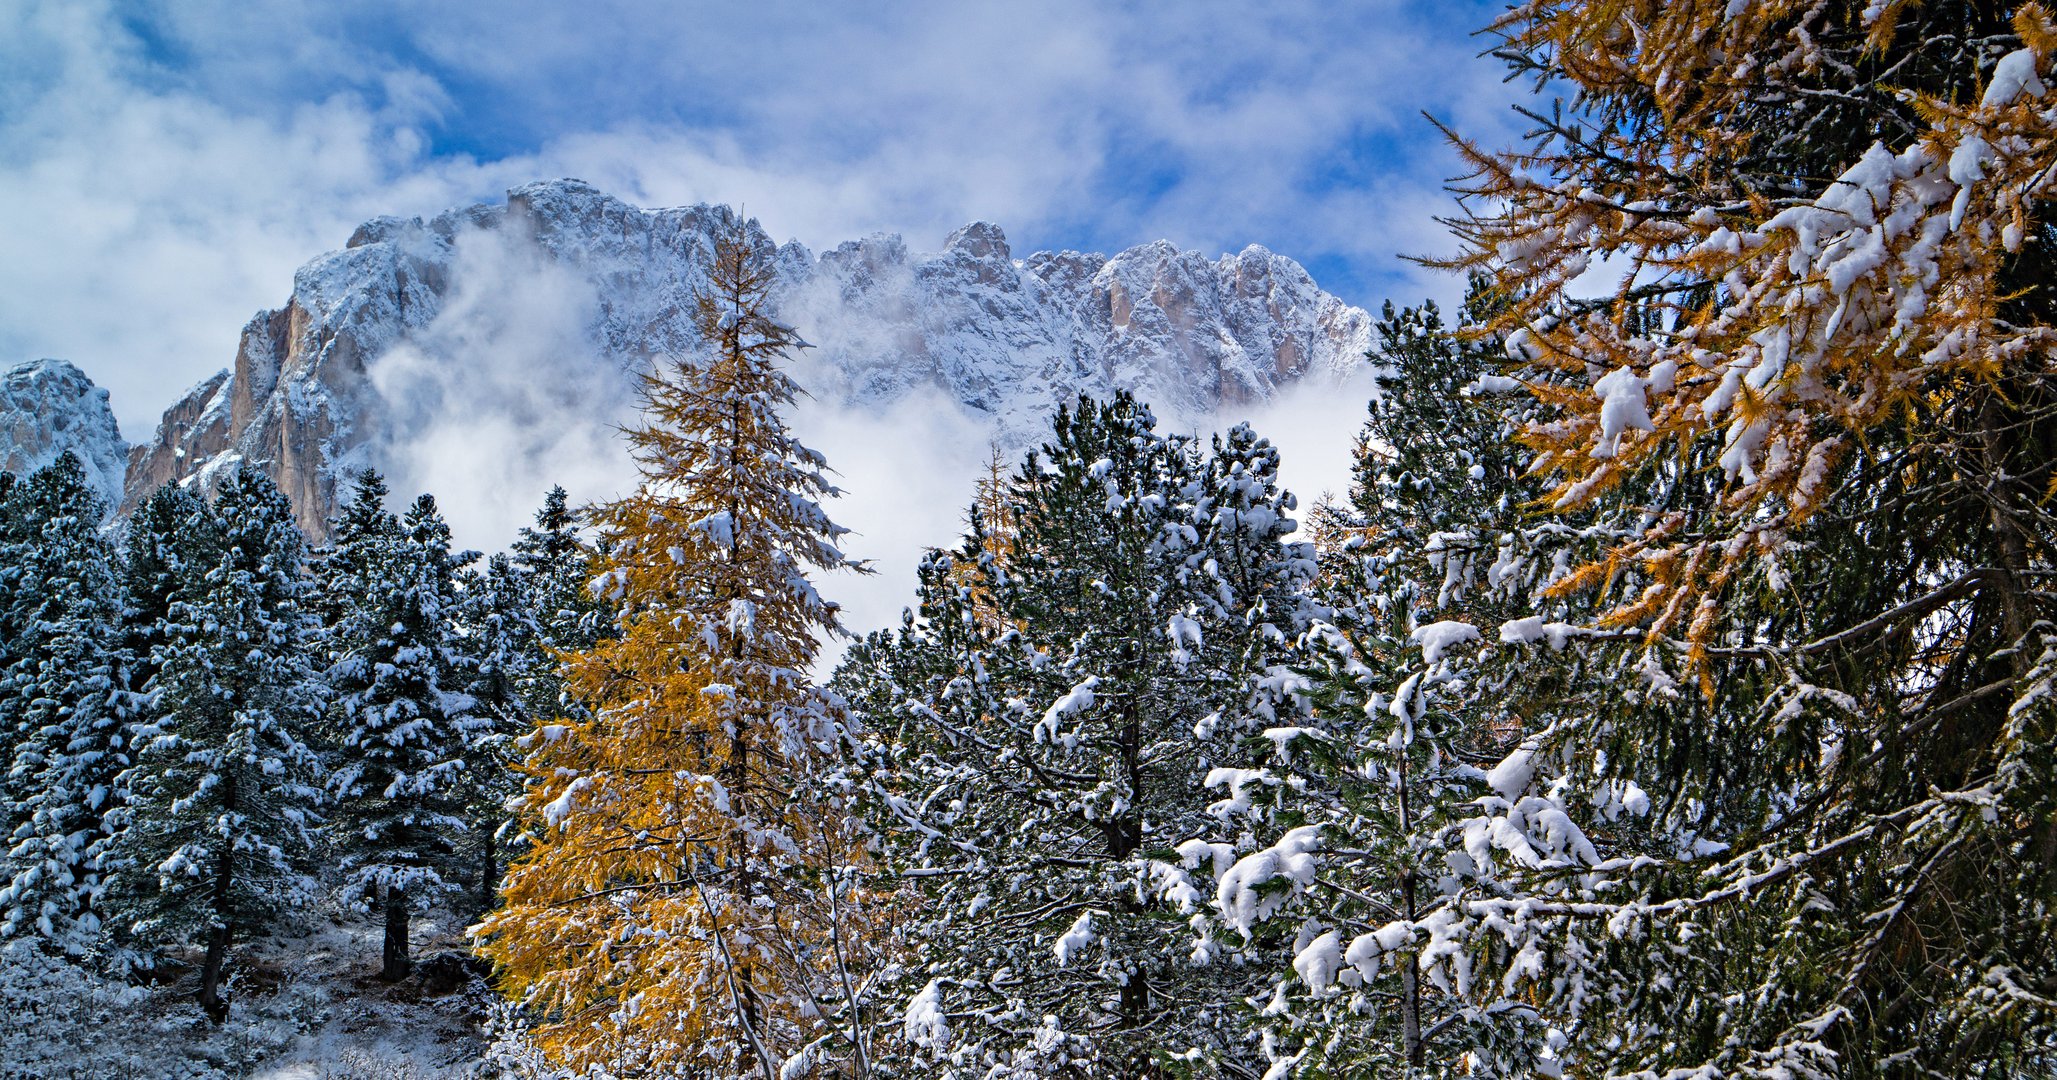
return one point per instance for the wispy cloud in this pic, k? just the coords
(502, 394)
(163, 168)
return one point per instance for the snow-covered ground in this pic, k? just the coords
(362, 1028)
(306, 1004)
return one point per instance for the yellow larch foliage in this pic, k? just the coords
(993, 496)
(1767, 318)
(676, 914)
(992, 513)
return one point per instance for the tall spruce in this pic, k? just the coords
(170, 541)
(680, 910)
(1396, 728)
(404, 718)
(513, 670)
(221, 805)
(64, 705)
(1065, 714)
(556, 566)
(365, 539)
(524, 610)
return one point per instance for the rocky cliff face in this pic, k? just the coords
(1009, 337)
(1004, 338)
(48, 407)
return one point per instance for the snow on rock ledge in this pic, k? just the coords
(1005, 338)
(48, 407)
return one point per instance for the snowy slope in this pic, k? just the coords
(48, 407)
(537, 312)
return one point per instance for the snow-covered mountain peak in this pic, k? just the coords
(532, 314)
(980, 240)
(50, 406)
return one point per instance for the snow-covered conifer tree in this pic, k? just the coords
(1397, 722)
(221, 805)
(404, 721)
(64, 705)
(171, 541)
(500, 625)
(1068, 711)
(365, 539)
(520, 613)
(556, 567)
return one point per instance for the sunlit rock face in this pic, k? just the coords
(604, 288)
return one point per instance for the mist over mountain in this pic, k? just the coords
(491, 350)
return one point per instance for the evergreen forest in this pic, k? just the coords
(1673, 693)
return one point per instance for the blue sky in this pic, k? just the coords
(164, 167)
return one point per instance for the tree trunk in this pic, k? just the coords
(211, 1001)
(1410, 978)
(1410, 988)
(1125, 831)
(2012, 559)
(489, 874)
(397, 964)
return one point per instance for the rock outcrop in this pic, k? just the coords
(1003, 337)
(48, 407)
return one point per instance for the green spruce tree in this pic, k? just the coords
(1344, 854)
(527, 608)
(1061, 717)
(170, 540)
(404, 718)
(64, 702)
(221, 805)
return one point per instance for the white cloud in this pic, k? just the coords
(906, 475)
(145, 225)
(502, 395)
(162, 171)
(1314, 425)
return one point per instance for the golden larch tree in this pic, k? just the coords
(991, 518)
(1827, 220)
(1801, 461)
(679, 911)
